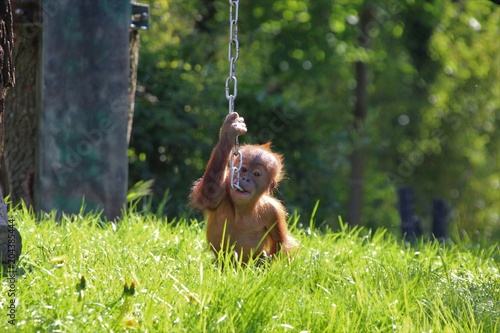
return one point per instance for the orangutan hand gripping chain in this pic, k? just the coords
(252, 220)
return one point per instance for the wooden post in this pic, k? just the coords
(439, 219)
(82, 135)
(410, 225)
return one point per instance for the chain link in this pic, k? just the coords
(233, 55)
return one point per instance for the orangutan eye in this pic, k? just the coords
(243, 169)
(256, 173)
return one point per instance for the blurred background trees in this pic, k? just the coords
(432, 118)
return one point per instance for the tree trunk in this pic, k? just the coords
(21, 115)
(6, 65)
(6, 80)
(8, 233)
(358, 155)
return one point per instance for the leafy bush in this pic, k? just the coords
(432, 123)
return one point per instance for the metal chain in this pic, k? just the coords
(233, 55)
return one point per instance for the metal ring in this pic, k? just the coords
(235, 86)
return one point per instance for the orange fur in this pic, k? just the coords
(252, 222)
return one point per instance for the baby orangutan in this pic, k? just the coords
(251, 220)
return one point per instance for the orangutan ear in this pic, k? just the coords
(272, 186)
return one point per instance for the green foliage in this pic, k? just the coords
(434, 102)
(453, 152)
(144, 274)
(139, 190)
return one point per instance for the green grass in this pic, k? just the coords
(347, 281)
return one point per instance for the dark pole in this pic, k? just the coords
(439, 219)
(409, 224)
(358, 155)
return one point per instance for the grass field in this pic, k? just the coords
(146, 275)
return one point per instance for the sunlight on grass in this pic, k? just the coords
(148, 274)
